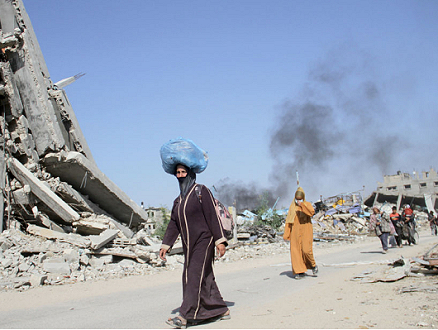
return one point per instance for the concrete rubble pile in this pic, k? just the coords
(29, 261)
(395, 270)
(340, 217)
(344, 217)
(55, 198)
(257, 233)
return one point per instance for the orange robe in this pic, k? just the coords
(299, 231)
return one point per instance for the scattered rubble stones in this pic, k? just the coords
(28, 261)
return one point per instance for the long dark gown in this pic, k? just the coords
(195, 219)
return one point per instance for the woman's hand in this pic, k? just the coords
(220, 248)
(163, 254)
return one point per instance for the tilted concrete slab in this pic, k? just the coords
(99, 241)
(40, 120)
(85, 177)
(47, 109)
(71, 238)
(39, 189)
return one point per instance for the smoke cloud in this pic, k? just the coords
(336, 130)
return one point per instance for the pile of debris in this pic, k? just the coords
(77, 220)
(28, 260)
(252, 233)
(340, 217)
(345, 217)
(401, 268)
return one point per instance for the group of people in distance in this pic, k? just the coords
(401, 226)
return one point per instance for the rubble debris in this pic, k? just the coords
(47, 171)
(71, 238)
(48, 197)
(256, 233)
(31, 260)
(62, 220)
(393, 272)
(105, 237)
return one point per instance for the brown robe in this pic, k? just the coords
(195, 219)
(299, 231)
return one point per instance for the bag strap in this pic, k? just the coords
(198, 193)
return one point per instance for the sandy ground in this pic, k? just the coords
(332, 301)
(337, 301)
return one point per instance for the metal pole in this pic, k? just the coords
(235, 223)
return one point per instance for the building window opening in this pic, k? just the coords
(392, 188)
(423, 184)
(435, 183)
(407, 186)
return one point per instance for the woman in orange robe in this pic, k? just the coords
(299, 231)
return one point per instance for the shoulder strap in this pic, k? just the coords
(198, 192)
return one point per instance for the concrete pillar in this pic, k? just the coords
(399, 199)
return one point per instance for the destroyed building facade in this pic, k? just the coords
(47, 172)
(403, 188)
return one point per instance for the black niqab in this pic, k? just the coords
(187, 182)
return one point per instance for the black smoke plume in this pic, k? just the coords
(336, 131)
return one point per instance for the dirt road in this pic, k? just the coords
(260, 293)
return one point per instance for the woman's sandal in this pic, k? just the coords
(176, 323)
(226, 315)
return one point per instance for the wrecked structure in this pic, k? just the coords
(61, 218)
(47, 172)
(402, 188)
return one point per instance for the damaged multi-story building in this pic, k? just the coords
(403, 188)
(47, 172)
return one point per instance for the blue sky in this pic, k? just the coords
(342, 91)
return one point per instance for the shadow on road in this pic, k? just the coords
(288, 274)
(379, 252)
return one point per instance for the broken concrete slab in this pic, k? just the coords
(107, 236)
(98, 261)
(85, 227)
(40, 190)
(49, 117)
(85, 177)
(71, 238)
(56, 266)
(37, 279)
(46, 221)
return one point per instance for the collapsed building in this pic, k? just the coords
(402, 188)
(52, 187)
(48, 174)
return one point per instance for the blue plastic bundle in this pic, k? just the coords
(183, 151)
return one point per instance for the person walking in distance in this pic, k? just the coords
(299, 231)
(398, 226)
(380, 223)
(432, 223)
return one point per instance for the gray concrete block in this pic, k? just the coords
(37, 279)
(56, 267)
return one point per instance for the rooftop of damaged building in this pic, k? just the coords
(403, 188)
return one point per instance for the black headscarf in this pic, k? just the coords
(187, 182)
